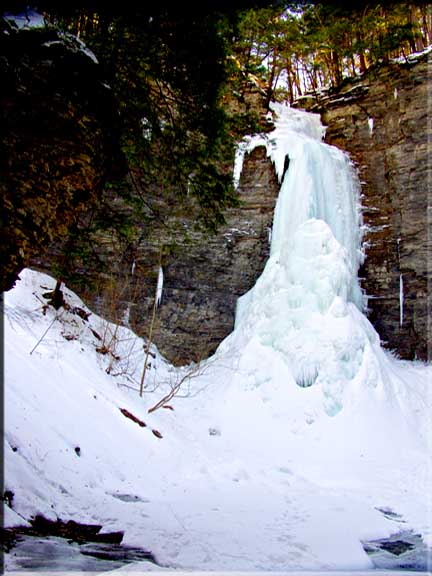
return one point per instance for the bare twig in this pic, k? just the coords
(194, 372)
(56, 317)
(127, 386)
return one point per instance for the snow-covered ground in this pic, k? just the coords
(299, 440)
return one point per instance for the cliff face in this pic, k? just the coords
(57, 141)
(204, 277)
(203, 274)
(59, 146)
(383, 121)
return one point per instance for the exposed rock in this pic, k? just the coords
(204, 273)
(204, 277)
(75, 531)
(404, 550)
(57, 141)
(383, 121)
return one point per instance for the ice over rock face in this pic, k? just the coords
(306, 306)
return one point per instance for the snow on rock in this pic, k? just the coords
(283, 448)
(412, 57)
(78, 45)
(31, 19)
(27, 19)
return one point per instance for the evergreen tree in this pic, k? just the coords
(302, 47)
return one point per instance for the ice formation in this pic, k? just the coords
(307, 305)
(159, 287)
(401, 299)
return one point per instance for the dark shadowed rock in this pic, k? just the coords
(57, 143)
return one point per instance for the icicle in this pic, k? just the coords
(238, 163)
(395, 93)
(401, 289)
(126, 316)
(269, 233)
(401, 299)
(159, 287)
(133, 267)
(371, 125)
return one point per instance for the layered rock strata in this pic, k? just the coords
(204, 276)
(58, 144)
(383, 121)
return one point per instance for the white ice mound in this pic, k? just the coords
(300, 308)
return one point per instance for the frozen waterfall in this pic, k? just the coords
(307, 305)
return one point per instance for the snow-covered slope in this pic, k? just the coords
(299, 439)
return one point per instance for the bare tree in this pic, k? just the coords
(177, 387)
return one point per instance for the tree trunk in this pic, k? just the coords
(290, 81)
(270, 84)
(426, 12)
(297, 80)
(361, 55)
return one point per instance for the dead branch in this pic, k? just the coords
(132, 417)
(56, 317)
(195, 371)
(149, 341)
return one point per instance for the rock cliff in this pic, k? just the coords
(58, 144)
(384, 121)
(203, 273)
(204, 276)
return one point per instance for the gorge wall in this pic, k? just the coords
(59, 148)
(58, 141)
(384, 121)
(204, 274)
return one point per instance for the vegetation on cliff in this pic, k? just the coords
(165, 73)
(58, 142)
(297, 47)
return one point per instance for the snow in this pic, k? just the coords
(412, 57)
(27, 19)
(76, 44)
(83, 48)
(32, 19)
(282, 450)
